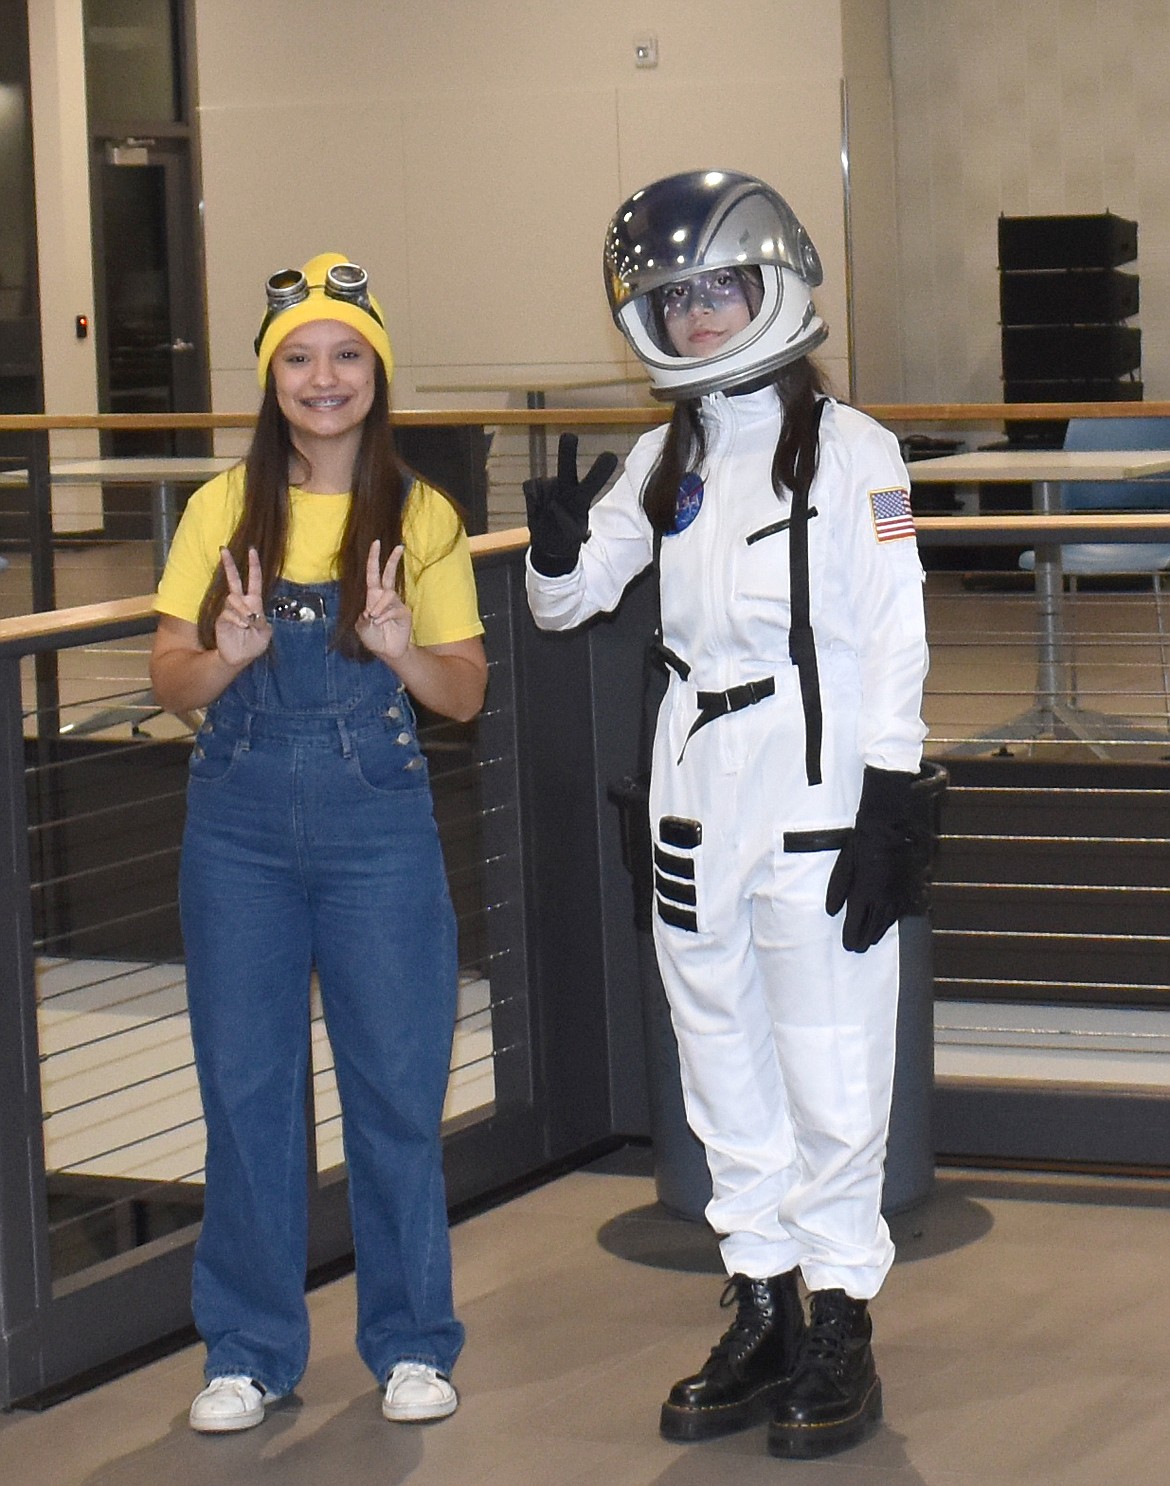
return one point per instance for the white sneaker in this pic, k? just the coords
(416, 1393)
(229, 1403)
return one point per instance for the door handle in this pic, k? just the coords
(181, 345)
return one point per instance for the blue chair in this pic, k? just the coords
(1085, 559)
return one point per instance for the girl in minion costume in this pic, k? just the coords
(785, 755)
(310, 594)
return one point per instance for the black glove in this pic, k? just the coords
(558, 509)
(875, 876)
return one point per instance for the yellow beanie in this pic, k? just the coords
(321, 306)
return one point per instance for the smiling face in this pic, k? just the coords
(324, 376)
(703, 312)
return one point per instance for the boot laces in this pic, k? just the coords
(754, 1316)
(827, 1339)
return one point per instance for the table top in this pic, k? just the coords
(974, 465)
(149, 470)
(130, 470)
(1040, 465)
(532, 384)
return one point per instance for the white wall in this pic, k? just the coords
(471, 155)
(1022, 107)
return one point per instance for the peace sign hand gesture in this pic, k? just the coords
(384, 625)
(241, 632)
(558, 508)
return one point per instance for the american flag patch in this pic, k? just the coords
(892, 517)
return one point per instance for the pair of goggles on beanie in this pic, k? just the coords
(345, 281)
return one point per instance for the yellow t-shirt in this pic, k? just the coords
(439, 581)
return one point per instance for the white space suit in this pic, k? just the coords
(786, 1040)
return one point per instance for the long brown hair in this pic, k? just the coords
(799, 385)
(381, 484)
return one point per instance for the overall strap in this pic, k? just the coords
(801, 645)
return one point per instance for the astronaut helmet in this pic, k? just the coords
(717, 246)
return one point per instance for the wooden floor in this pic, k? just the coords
(1021, 1338)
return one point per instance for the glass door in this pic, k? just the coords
(150, 325)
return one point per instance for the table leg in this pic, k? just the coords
(165, 518)
(1054, 714)
(1050, 607)
(141, 707)
(1045, 718)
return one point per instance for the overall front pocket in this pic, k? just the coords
(389, 760)
(213, 755)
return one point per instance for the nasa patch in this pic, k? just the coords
(690, 498)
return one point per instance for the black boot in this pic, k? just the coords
(835, 1396)
(740, 1381)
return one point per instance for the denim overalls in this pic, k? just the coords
(310, 840)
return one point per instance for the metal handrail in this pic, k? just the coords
(976, 412)
(32, 632)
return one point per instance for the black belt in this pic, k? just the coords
(713, 704)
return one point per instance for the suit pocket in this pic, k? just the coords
(678, 873)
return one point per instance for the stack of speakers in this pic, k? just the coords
(1063, 302)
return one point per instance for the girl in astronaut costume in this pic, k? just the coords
(785, 751)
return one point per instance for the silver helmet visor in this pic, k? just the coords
(746, 223)
(718, 299)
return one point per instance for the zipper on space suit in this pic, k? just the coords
(801, 641)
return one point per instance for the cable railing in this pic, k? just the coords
(103, 800)
(96, 780)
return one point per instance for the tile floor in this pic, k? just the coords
(1021, 1339)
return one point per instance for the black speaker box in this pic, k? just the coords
(1089, 390)
(1044, 433)
(1067, 297)
(1069, 352)
(1030, 433)
(1101, 241)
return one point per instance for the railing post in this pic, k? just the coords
(44, 580)
(23, 1262)
(40, 524)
